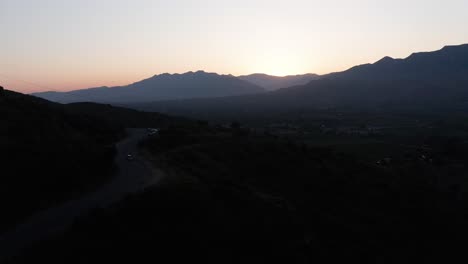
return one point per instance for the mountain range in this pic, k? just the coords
(426, 81)
(198, 84)
(449, 63)
(428, 78)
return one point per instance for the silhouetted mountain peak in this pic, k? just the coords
(446, 64)
(385, 60)
(199, 73)
(455, 47)
(449, 50)
(162, 75)
(162, 87)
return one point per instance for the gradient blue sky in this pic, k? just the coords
(70, 44)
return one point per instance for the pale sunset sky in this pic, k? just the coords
(71, 44)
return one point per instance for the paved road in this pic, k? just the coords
(132, 177)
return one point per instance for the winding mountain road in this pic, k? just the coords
(132, 177)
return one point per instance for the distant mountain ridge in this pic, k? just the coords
(198, 84)
(450, 62)
(271, 83)
(426, 79)
(423, 81)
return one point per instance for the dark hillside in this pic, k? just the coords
(242, 197)
(123, 117)
(48, 155)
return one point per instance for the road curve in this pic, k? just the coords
(132, 177)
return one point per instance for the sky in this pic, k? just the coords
(69, 44)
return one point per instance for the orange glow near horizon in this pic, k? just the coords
(67, 45)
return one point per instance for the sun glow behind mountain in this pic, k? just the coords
(64, 45)
(280, 62)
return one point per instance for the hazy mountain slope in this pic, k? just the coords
(161, 87)
(85, 95)
(271, 83)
